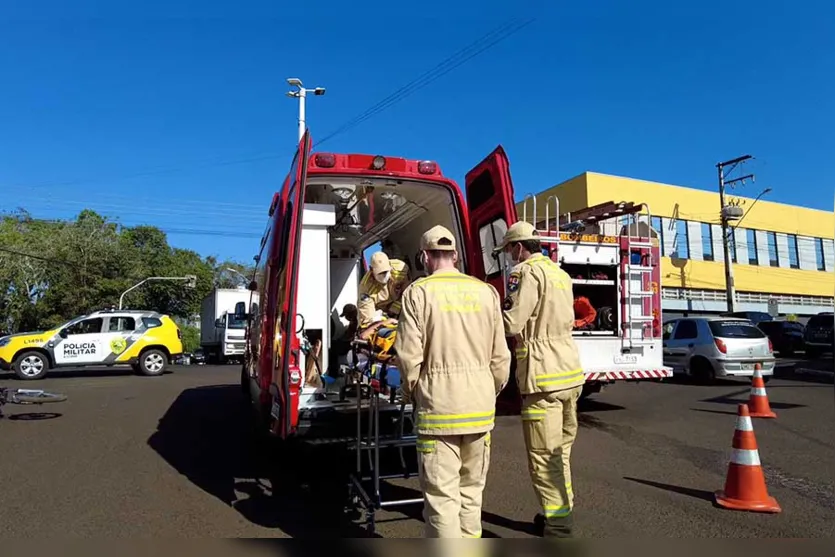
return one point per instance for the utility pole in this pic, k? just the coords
(301, 94)
(726, 214)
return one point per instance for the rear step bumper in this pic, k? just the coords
(630, 374)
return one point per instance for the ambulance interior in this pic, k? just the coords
(345, 218)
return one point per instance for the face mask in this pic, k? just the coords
(383, 278)
(513, 258)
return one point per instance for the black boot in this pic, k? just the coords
(539, 525)
(560, 527)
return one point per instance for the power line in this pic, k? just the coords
(168, 230)
(142, 174)
(154, 210)
(37, 257)
(434, 74)
(491, 39)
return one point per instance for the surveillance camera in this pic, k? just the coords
(294, 81)
(319, 91)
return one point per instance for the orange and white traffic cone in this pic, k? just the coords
(758, 401)
(745, 488)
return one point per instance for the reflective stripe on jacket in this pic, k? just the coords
(539, 313)
(452, 353)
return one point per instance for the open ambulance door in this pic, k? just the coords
(491, 209)
(287, 376)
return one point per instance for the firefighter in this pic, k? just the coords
(381, 288)
(539, 314)
(454, 361)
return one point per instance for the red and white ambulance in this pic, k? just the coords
(333, 207)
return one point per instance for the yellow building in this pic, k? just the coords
(778, 251)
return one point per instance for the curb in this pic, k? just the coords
(808, 371)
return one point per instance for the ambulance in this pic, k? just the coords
(333, 207)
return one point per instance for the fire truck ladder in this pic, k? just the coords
(638, 268)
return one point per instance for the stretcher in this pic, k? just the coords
(374, 379)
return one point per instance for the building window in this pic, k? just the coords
(773, 256)
(707, 242)
(751, 237)
(681, 246)
(794, 259)
(819, 254)
(658, 225)
(732, 243)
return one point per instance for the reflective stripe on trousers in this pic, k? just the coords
(556, 380)
(453, 472)
(452, 422)
(549, 423)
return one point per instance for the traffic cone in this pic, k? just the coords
(758, 401)
(745, 488)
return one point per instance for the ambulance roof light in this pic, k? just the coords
(378, 163)
(427, 167)
(325, 160)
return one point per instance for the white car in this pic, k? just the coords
(711, 347)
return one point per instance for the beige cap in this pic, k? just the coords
(437, 238)
(380, 263)
(518, 232)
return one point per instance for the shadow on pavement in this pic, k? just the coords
(733, 398)
(59, 373)
(592, 405)
(508, 523)
(32, 416)
(723, 412)
(205, 435)
(690, 492)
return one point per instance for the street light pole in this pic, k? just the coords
(301, 94)
(237, 272)
(191, 282)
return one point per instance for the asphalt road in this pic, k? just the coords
(169, 456)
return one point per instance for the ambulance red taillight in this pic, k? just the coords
(427, 167)
(325, 160)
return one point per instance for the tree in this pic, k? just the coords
(52, 271)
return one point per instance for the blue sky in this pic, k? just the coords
(175, 114)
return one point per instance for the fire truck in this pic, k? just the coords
(332, 207)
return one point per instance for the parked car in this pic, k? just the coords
(785, 336)
(819, 334)
(199, 357)
(711, 347)
(754, 317)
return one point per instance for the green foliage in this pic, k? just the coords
(52, 271)
(191, 338)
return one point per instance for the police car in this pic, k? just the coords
(145, 340)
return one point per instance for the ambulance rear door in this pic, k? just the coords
(287, 379)
(489, 192)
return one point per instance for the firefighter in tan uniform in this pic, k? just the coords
(381, 289)
(539, 313)
(454, 361)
